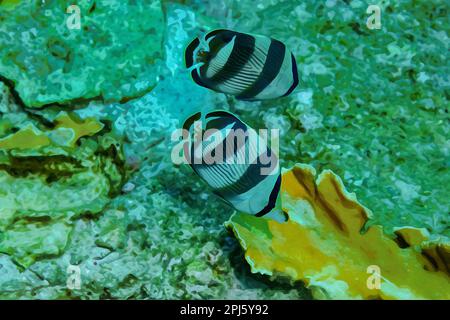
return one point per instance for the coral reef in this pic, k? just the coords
(372, 107)
(324, 244)
(49, 176)
(158, 237)
(105, 58)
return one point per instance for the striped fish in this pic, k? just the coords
(237, 175)
(250, 67)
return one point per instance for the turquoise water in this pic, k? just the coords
(372, 105)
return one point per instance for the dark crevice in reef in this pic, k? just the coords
(242, 271)
(68, 105)
(72, 104)
(38, 219)
(19, 102)
(64, 106)
(432, 261)
(57, 167)
(113, 153)
(54, 167)
(137, 96)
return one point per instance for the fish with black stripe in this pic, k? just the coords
(250, 67)
(244, 172)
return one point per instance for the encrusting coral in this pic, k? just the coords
(50, 175)
(55, 61)
(324, 243)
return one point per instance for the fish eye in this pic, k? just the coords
(203, 55)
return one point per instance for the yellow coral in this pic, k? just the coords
(30, 137)
(86, 127)
(323, 245)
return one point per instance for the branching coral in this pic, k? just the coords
(325, 245)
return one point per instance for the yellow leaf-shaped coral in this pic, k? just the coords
(81, 128)
(27, 138)
(30, 137)
(323, 245)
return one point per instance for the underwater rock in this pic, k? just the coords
(27, 241)
(114, 54)
(326, 244)
(48, 176)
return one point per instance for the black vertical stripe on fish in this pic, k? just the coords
(272, 66)
(197, 79)
(238, 132)
(221, 38)
(221, 113)
(187, 148)
(235, 147)
(221, 123)
(248, 73)
(295, 75)
(246, 177)
(190, 121)
(225, 37)
(189, 53)
(223, 119)
(224, 145)
(218, 120)
(242, 52)
(272, 199)
(222, 33)
(218, 54)
(249, 179)
(229, 150)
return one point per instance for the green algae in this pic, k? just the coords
(51, 63)
(9, 4)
